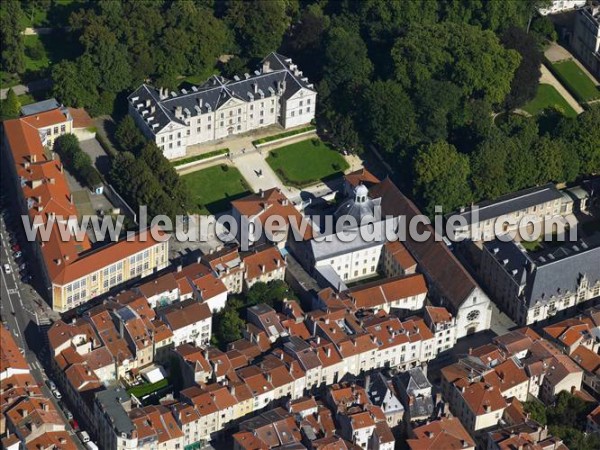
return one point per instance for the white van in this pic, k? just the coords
(91, 446)
(83, 436)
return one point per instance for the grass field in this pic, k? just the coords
(548, 97)
(576, 81)
(144, 389)
(213, 189)
(306, 162)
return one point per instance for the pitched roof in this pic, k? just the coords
(263, 261)
(452, 282)
(446, 433)
(388, 290)
(183, 314)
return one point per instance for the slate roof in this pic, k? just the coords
(217, 91)
(552, 273)
(111, 401)
(515, 201)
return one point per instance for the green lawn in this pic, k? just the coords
(213, 189)
(56, 16)
(144, 389)
(576, 81)
(548, 97)
(306, 162)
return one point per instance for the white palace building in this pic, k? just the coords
(277, 93)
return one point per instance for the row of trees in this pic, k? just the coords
(566, 419)
(77, 162)
(143, 176)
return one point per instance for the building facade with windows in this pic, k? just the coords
(277, 93)
(586, 37)
(534, 287)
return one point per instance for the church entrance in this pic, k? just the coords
(471, 330)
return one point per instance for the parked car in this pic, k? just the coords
(6, 268)
(51, 385)
(16, 248)
(57, 394)
(68, 414)
(18, 254)
(83, 436)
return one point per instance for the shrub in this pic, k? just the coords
(315, 142)
(224, 167)
(181, 162)
(336, 167)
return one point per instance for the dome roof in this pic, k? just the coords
(359, 206)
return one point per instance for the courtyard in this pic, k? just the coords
(213, 189)
(306, 162)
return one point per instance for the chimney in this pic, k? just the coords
(255, 88)
(328, 351)
(45, 406)
(266, 66)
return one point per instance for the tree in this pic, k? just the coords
(75, 82)
(536, 410)
(524, 85)
(272, 293)
(489, 166)
(471, 58)
(260, 24)
(12, 56)
(354, 67)
(437, 103)
(582, 137)
(11, 106)
(441, 177)
(389, 116)
(128, 135)
(549, 155)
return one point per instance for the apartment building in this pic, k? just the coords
(531, 287)
(71, 270)
(486, 220)
(586, 37)
(275, 94)
(446, 432)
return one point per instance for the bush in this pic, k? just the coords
(181, 162)
(283, 135)
(336, 167)
(224, 167)
(274, 154)
(315, 142)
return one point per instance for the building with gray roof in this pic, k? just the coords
(479, 220)
(535, 286)
(277, 93)
(114, 428)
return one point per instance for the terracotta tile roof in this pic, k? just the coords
(60, 333)
(10, 354)
(201, 399)
(589, 360)
(52, 439)
(82, 378)
(302, 404)
(379, 293)
(209, 286)
(248, 441)
(31, 413)
(264, 261)
(160, 285)
(45, 119)
(594, 416)
(271, 203)
(446, 433)
(155, 421)
(401, 255)
(98, 358)
(569, 332)
(361, 176)
(81, 119)
(15, 387)
(483, 398)
(438, 314)
(250, 349)
(183, 314)
(185, 413)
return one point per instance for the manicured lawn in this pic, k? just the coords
(37, 62)
(576, 81)
(548, 97)
(148, 388)
(213, 189)
(305, 163)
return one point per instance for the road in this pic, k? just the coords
(20, 89)
(25, 314)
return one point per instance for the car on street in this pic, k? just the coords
(83, 436)
(51, 385)
(16, 248)
(6, 268)
(57, 394)
(17, 255)
(68, 414)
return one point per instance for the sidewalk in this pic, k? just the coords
(550, 79)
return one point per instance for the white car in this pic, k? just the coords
(83, 436)
(6, 268)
